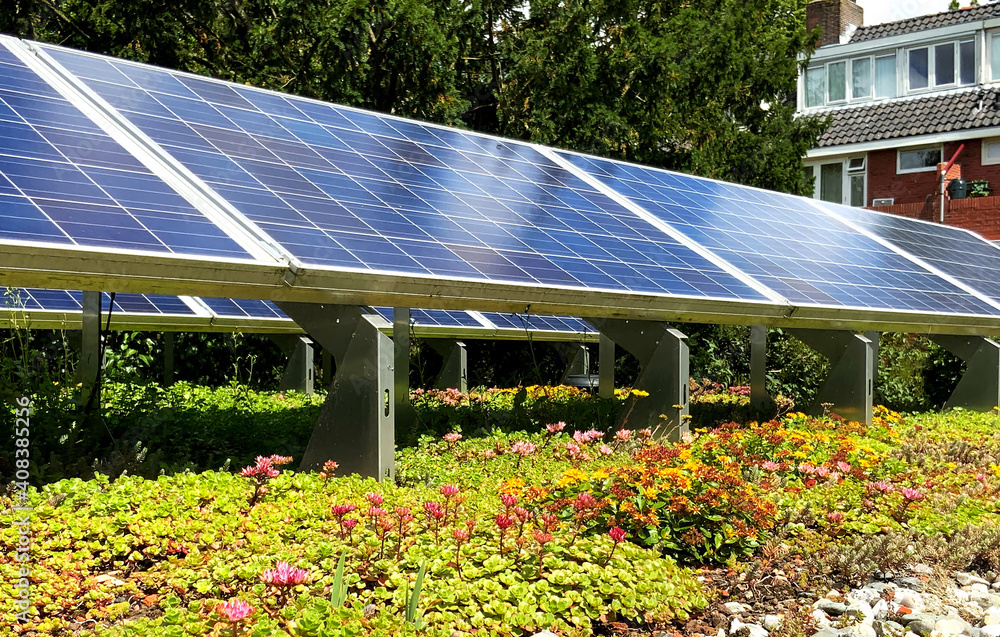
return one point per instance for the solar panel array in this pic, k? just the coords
(785, 242)
(345, 191)
(956, 252)
(64, 180)
(350, 189)
(428, 321)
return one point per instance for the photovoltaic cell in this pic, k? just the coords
(784, 242)
(72, 301)
(63, 180)
(433, 318)
(354, 190)
(244, 308)
(962, 254)
(537, 322)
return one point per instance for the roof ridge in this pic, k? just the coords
(927, 22)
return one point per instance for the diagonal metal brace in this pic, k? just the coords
(849, 386)
(979, 387)
(356, 423)
(664, 372)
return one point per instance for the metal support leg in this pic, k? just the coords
(577, 364)
(979, 387)
(849, 386)
(454, 372)
(168, 358)
(405, 416)
(874, 338)
(664, 373)
(299, 373)
(606, 368)
(356, 424)
(90, 348)
(758, 366)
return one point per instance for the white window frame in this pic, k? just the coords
(931, 48)
(988, 74)
(986, 160)
(906, 171)
(849, 96)
(846, 173)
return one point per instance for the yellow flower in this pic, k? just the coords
(572, 476)
(600, 474)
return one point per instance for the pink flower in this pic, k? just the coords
(284, 574)
(434, 510)
(524, 449)
(881, 486)
(584, 437)
(263, 467)
(340, 510)
(555, 427)
(542, 537)
(835, 517)
(573, 450)
(234, 610)
(911, 495)
(981, 477)
(646, 433)
(375, 512)
(770, 465)
(461, 535)
(584, 501)
(822, 472)
(843, 467)
(504, 521)
(448, 490)
(807, 468)
(349, 523)
(452, 437)
(521, 513)
(617, 534)
(606, 450)
(375, 499)
(623, 434)
(508, 499)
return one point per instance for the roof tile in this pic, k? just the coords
(925, 22)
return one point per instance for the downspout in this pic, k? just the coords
(944, 172)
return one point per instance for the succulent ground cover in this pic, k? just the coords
(579, 531)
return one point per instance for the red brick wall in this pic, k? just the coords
(979, 214)
(915, 187)
(833, 16)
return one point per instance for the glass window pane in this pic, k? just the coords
(810, 172)
(831, 182)
(917, 159)
(857, 190)
(815, 86)
(944, 64)
(837, 85)
(992, 150)
(995, 56)
(885, 76)
(918, 68)
(967, 62)
(861, 78)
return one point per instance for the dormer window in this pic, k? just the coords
(941, 65)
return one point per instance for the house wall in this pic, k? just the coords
(914, 188)
(979, 214)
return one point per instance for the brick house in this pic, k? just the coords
(903, 98)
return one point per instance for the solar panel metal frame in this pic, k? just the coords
(275, 277)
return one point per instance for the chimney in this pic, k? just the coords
(835, 17)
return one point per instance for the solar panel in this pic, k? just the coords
(785, 242)
(437, 318)
(72, 301)
(64, 180)
(537, 322)
(961, 254)
(347, 189)
(243, 308)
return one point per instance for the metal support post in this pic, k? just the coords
(979, 387)
(405, 417)
(758, 366)
(454, 372)
(168, 358)
(299, 373)
(606, 368)
(848, 388)
(577, 359)
(874, 338)
(90, 348)
(664, 373)
(356, 424)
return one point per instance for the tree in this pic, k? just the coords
(706, 87)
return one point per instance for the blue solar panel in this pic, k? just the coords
(244, 308)
(63, 180)
(962, 254)
(72, 301)
(354, 190)
(537, 322)
(785, 242)
(433, 318)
